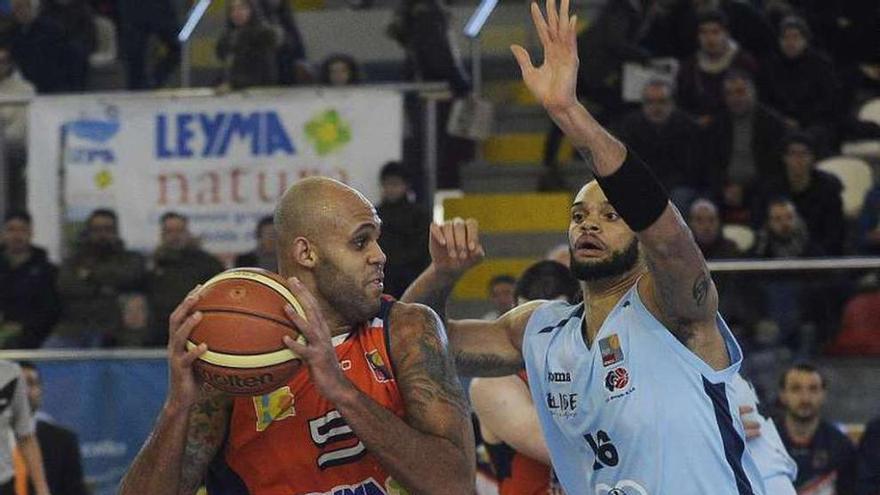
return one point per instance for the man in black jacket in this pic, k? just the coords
(62, 462)
(29, 302)
(41, 50)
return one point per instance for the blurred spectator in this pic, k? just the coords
(291, 51)
(869, 460)
(501, 294)
(340, 70)
(742, 143)
(178, 265)
(560, 254)
(667, 138)
(548, 280)
(90, 283)
(405, 230)
(701, 76)
(815, 193)
(825, 456)
(41, 50)
(868, 233)
(60, 447)
(248, 47)
(422, 29)
(29, 303)
(14, 117)
(107, 50)
(798, 81)
(784, 234)
(705, 223)
(860, 326)
(136, 324)
(263, 256)
(139, 21)
(78, 21)
(17, 422)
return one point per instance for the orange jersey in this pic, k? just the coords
(293, 441)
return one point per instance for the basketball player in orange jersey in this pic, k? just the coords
(379, 409)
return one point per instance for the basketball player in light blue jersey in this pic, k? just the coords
(632, 386)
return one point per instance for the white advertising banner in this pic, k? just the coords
(221, 161)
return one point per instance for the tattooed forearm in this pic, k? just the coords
(472, 364)
(701, 288)
(207, 429)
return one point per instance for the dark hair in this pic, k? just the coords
(394, 169)
(798, 137)
(795, 22)
(804, 366)
(102, 212)
(27, 364)
(712, 16)
(779, 200)
(502, 279)
(18, 215)
(266, 220)
(739, 75)
(353, 66)
(172, 215)
(547, 279)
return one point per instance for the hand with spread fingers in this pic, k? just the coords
(555, 81)
(455, 245)
(184, 387)
(317, 351)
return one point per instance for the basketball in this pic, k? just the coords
(243, 322)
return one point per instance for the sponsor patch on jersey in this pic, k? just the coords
(611, 351)
(274, 406)
(624, 487)
(366, 487)
(617, 379)
(380, 371)
(562, 404)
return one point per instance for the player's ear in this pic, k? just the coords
(304, 252)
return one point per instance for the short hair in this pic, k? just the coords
(805, 366)
(264, 221)
(659, 81)
(502, 279)
(27, 364)
(172, 215)
(795, 22)
(798, 137)
(18, 215)
(547, 279)
(102, 212)
(739, 75)
(394, 169)
(712, 16)
(353, 66)
(780, 200)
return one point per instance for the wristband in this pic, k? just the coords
(635, 193)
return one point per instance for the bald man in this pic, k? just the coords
(379, 411)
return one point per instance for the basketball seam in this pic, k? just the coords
(264, 316)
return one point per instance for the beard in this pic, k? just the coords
(344, 294)
(620, 263)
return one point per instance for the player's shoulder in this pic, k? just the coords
(553, 313)
(413, 320)
(9, 369)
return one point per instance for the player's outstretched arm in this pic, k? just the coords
(191, 425)
(505, 408)
(682, 293)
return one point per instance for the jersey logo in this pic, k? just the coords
(273, 406)
(611, 351)
(366, 487)
(617, 379)
(625, 487)
(329, 429)
(561, 404)
(377, 365)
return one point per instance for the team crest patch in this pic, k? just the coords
(377, 365)
(616, 379)
(611, 351)
(273, 406)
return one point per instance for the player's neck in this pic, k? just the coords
(601, 296)
(801, 430)
(337, 324)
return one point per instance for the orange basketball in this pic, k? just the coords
(243, 322)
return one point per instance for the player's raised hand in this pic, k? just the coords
(455, 245)
(183, 389)
(555, 81)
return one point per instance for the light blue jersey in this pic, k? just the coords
(637, 413)
(778, 469)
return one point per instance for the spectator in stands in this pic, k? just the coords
(40, 49)
(90, 283)
(667, 138)
(405, 229)
(868, 467)
(62, 462)
(868, 233)
(178, 265)
(784, 234)
(502, 290)
(815, 194)
(561, 253)
(701, 76)
(860, 326)
(340, 70)
(248, 48)
(78, 22)
(139, 21)
(798, 81)
(742, 143)
(29, 302)
(14, 118)
(291, 50)
(17, 423)
(263, 256)
(705, 223)
(825, 456)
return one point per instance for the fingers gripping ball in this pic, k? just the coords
(243, 323)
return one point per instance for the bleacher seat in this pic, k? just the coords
(857, 179)
(870, 111)
(742, 236)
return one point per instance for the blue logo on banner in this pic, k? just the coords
(97, 132)
(178, 135)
